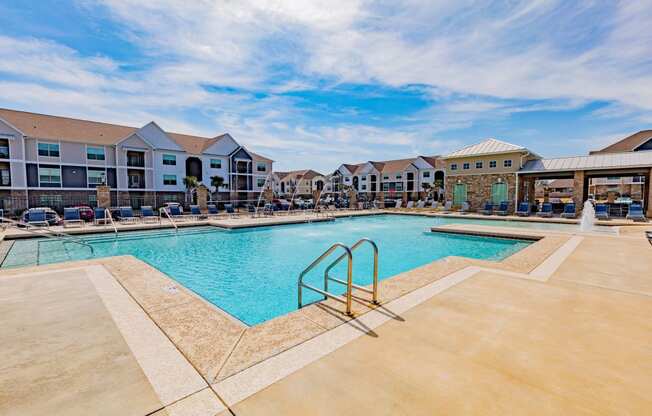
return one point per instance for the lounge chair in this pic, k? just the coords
(268, 209)
(195, 212)
(148, 215)
(466, 208)
(37, 217)
(488, 209)
(636, 213)
(546, 210)
(648, 235)
(434, 204)
(127, 215)
(410, 205)
(398, 203)
(448, 207)
(213, 212)
(523, 209)
(175, 213)
(72, 218)
(569, 211)
(100, 217)
(421, 204)
(229, 210)
(602, 212)
(503, 208)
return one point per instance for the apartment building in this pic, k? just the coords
(403, 178)
(51, 160)
(298, 183)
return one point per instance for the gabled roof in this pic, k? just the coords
(192, 144)
(397, 165)
(486, 147)
(596, 161)
(48, 127)
(307, 174)
(628, 144)
(257, 156)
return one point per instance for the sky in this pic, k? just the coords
(313, 84)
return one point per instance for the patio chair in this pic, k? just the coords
(421, 204)
(37, 217)
(569, 211)
(127, 215)
(100, 217)
(268, 209)
(466, 208)
(523, 209)
(229, 210)
(434, 204)
(213, 212)
(503, 208)
(488, 209)
(398, 203)
(175, 213)
(602, 212)
(636, 213)
(195, 212)
(410, 205)
(448, 207)
(148, 215)
(546, 210)
(72, 218)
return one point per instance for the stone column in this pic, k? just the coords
(648, 203)
(578, 189)
(404, 197)
(202, 198)
(268, 195)
(353, 199)
(381, 199)
(103, 196)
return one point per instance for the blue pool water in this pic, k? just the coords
(252, 273)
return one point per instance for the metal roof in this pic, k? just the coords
(597, 161)
(486, 147)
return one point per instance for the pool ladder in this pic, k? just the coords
(348, 296)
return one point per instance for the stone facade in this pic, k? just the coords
(649, 194)
(578, 190)
(478, 187)
(103, 196)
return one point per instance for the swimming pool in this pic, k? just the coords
(252, 273)
(553, 226)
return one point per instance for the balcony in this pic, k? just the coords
(136, 179)
(4, 149)
(136, 159)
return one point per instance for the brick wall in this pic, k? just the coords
(478, 187)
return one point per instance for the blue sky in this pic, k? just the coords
(313, 84)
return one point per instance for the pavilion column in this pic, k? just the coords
(578, 189)
(648, 204)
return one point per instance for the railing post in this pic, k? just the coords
(374, 297)
(349, 286)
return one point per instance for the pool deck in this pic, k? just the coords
(561, 327)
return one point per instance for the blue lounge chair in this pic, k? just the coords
(503, 208)
(127, 215)
(148, 215)
(488, 209)
(37, 217)
(195, 212)
(546, 210)
(602, 211)
(99, 216)
(229, 210)
(569, 211)
(466, 208)
(175, 213)
(212, 211)
(523, 209)
(72, 218)
(636, 213)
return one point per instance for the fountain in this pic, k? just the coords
(588, 217)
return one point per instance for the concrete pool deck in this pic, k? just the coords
(489, 310)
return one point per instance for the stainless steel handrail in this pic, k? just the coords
(107, 214)
(374, 290)
(347, 300)
(167, 214)
(49, 233)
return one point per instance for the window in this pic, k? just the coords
(466, 166)
(492, 164)
(364, 187)
(170, 160)
(454, 166)
(50, 200)
(385, 187)
(347, 179)
(507, 163)
(216, 163)
(399, 176)
(49, 176)
(4, 148)
(478, 165)
(385, 178)
(48, 149)
(399, 187)
(169, 179)
(96, 176)
(95, 153)
(135, 159)
(260, 182)
(261, 167)
(426, 174)
(364, 178)
(5, 174)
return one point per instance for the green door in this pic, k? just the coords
(459, 194)
(498, 192)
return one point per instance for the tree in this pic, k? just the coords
(217, 182)
(426, 188)
(191, 183)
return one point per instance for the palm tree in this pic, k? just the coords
(217, 182)
(426, 189)
(191, 183)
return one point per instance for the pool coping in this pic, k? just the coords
(220, 346)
